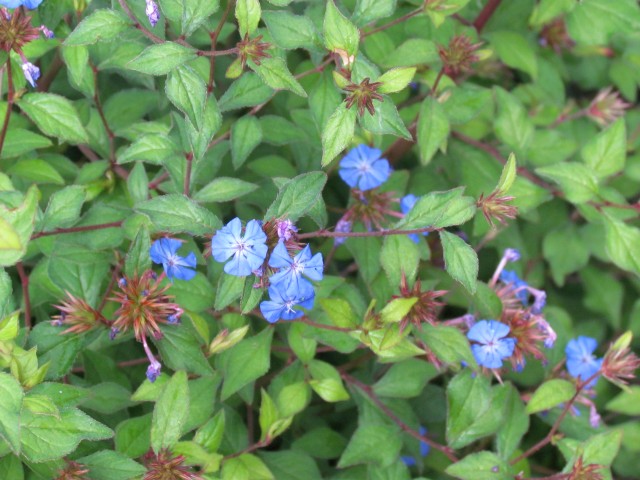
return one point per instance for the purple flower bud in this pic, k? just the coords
(145, 293)
(122, 282)
(46, 32)
(539, 302)
(286, 229)
(343, 226)
(153, 371)
(31, 72)
(57, 322)
(511, 255)
(113, 332)
(173, 319)
(152, 12)
(594, 416)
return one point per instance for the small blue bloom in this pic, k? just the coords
(248, 250)
(163, 251)
(153, 14)
(284, 298)
(363, 168)
(492, 346)
(581, 362)
(30, 4)
(424, 450)
(291, 269)
(153, 371)
(406, 204)
(343, 226)
(509, 277)
(31, 72)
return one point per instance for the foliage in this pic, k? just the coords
(341, 239)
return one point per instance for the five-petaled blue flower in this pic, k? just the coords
(30, 4)
(285, 298)
(291, 269)
(363, 168)
(406, 204)
(163, 251)
(248, 250)
(31, 72)
(581, 362)
(509, 277)
(492, 346)
(424, 450)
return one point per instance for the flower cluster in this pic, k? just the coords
(250, 250)
(16, 31)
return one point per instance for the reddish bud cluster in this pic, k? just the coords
(427, 306)
(253, 49)
(165, 466)
(459, 55)
(78, 315)
(363, 94)
(495, 207)
(16, 30)
(73, 471)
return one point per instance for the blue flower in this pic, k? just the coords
(509, 277)
(424, 450)
(363, 168)
(293, 268)
(163, 251)
(406, 204)
(248, 250)
(284, 298)
(31, 72)
(581, 362)
(492, 346)
(30, 4)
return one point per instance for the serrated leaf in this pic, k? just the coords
(55, 116)
(461, 261)
(337, 133)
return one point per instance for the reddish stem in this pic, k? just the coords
(10, 100)
(398, 20)
(187, 174)
(374, 233)
(85, 228)
(485, 14)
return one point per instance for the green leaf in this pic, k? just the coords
(448, 344)
(515, 426)
(549, 394)
(439, 11)
(20, 141)
(512, 123)
(274, 72)
(364, 446)
(514, 50)
(180, 349)
(439, 209)
(100, 25)
(195, 13)
(340, 35)
(290, 31)
(397, 309)
(622, 244)
(405, 379)
(245, 467)
(248, 15)
(247, 91)
(368, 10)
(474, 409)
(36, 170)
(152, 148)
(10, 406)
(432, 130)
(133, 436)
(178, 213)
(109, 465)
(461, 261)
(60, 350)
(396, 79)
(399, 255)
(9, 239)
(162, 58)
(480, 466)
(170, 413)
(55, 116)
(606, 153)
(337, 133)
(626, 402)
(246, 135)
(45, 437)
(386, 120)
(486, 302)
(577, 181)
(188, 92)
(268, 415)
(508, 175)
(594, 22)
(547, 10)
(326, 382)
(297, 196)
(21, 221)
(137, 259)
(245, 362)
(63, 209)
(224, 189)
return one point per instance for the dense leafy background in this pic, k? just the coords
(141, 132)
